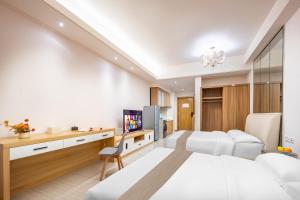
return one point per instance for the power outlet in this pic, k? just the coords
(289, 140)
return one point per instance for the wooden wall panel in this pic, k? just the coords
(256, 100)
(265, 98)
(229, 108)
(243, 105)
(275, 101)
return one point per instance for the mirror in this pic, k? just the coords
(267, 77)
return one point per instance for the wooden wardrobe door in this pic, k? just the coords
(212, 116)
(265, 98)
(257, 97)
(243, 105)
(275, 102)
(229, 108)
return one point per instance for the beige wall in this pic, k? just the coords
(53, 81)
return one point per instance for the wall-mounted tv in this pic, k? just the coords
(132, 120)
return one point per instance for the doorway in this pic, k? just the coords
(185, 113)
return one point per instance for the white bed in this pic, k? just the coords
(203, 176)
(261, 132)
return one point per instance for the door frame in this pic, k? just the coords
(177, 115)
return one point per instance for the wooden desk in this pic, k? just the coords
(25, 163)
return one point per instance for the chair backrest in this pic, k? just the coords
(120, 146)
(266, 127)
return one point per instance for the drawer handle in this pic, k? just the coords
(105, 135)
(140, 144)
(80, 140)
(40, 148)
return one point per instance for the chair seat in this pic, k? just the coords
(108, 151)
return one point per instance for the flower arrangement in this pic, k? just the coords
(23, 128)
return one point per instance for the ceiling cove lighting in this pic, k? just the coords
(86, 12)
(213, 57)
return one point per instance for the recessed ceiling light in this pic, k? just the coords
(61, 24)
(116, 58)
(182, 89)
(132, 68)
(175, 82)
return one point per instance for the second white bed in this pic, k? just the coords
(261, 133)
(235, 142)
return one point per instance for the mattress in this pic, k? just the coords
(204, 176)
(234, 142)
(117, 184)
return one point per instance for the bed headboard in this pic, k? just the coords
(266, 127)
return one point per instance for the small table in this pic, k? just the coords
(285, 153)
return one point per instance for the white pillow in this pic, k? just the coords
(241, 136)
(286, 168)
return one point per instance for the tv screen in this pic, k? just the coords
(132, 120)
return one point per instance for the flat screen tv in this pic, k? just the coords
(132, 120)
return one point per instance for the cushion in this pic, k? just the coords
(241, 136)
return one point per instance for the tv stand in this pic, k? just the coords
(135, 140)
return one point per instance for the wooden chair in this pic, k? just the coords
(112, 152)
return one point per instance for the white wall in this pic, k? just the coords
(291, 82)
(53, 81)
(197, 118)
(225, 80)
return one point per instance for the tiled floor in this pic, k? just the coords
(74, 185)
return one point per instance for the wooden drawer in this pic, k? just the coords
(78, 140)
(100, 136)
(34, 149)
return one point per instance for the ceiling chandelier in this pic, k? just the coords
(213, 57)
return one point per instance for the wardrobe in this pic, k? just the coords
(224, 108)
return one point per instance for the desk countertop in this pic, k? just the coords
(9, 142)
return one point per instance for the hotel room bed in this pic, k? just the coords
(204, 176)
(261, 132)
(234, 142)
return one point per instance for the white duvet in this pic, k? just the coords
(206, 177)
(234, 142)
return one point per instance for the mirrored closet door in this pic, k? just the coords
(268, 72)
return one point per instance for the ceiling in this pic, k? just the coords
(162, 33)
(158, 40)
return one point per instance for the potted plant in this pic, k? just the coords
(22, 129)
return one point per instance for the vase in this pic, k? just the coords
(24, 135)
